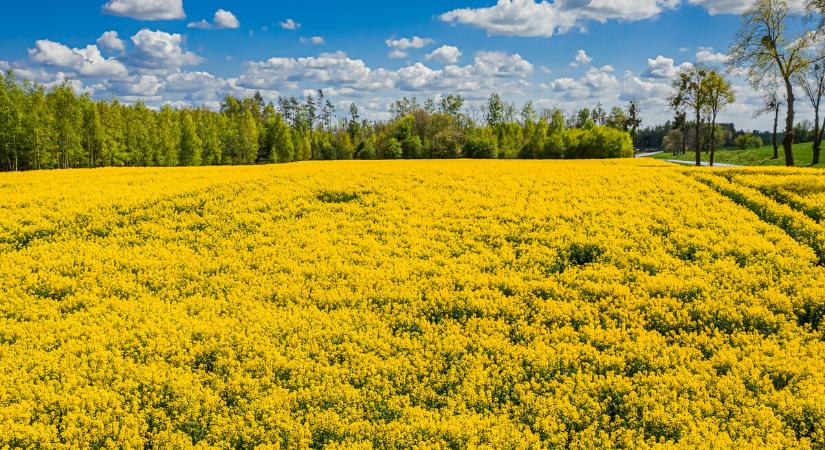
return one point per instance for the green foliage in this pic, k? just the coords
(509, 136)
(535, 137)
(391, 149)
(67, 125)
(411, 147)
(93, 136)
(597, 142)
(367, 150)
(57, 128)
(343, 147)
(748, 140)
(278, 140)
(481, 143)
(191, 146)
(554, 145)
(169, 139)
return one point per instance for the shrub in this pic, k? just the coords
(481, 143)
(411, 147)
(391, 149)
(597, 142)
(554, 147)
(748, 140)
(367, 150)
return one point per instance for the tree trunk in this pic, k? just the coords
(712, 139)
(817, 137)
(698, 130)
(787, 143)
(775, 128)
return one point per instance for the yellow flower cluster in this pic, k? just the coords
(804, 189)
(410, 304)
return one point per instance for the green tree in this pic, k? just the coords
(528, 113)
(140, 143)
(616, 119)
(535, 135)
(11, 120)
(367, 151)
(210, 129)
(38, 128)
(688, 93)
(599, 115)
(494, 110)
(191, 146)
(772, 102)
(246, 143)
(451, 105)
(633, 120)
(391, 149)
(279, 140)
(581, 119)
(812, 82)
(93, 136)
(765, 45)
(168, 138)
(411, 147)
(67, 125)
(343, 146)
(481, 143)
(509, 137)
(718, 94)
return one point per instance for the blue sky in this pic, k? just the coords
(567, 54)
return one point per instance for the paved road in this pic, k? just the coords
(704, 163)
(645, 155)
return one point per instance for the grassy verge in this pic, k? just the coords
(763, 156)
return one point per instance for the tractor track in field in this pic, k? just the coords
(795, 223)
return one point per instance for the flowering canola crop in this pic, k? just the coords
(449, 304)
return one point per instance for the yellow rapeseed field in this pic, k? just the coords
(449, 304)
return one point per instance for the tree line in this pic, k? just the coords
(57, 128)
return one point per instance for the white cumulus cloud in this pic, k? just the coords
(706, 55)
(414, 42)
(582, 59)
(111, 41)
(543, 18)
(664, 68)
(146, 9)
(290, 24)
(446, 54)
(327, 69)
(161, 50)
(223, 20)
(84, 61)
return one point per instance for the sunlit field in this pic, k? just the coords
(450, 304)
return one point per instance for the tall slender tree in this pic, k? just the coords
(11, 115)
(93, 137)
(634, 120)
(191, 146)
(688, 93)
(68, 124)
(718, 94)
(766, 45)
(812, 81)
(772, 103)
